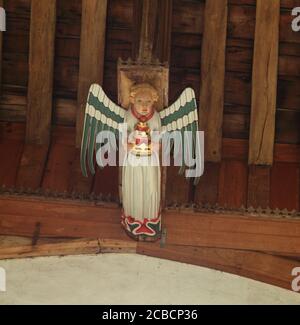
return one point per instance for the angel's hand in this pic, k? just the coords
(130, 146)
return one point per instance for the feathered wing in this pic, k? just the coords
(183, 116)
(101, 114)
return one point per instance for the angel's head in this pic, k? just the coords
(143, 97)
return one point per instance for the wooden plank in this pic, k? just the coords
(18, 241)
(76, 247)
(213, 76)
(287, 153)
(233, 184)
(262, 234)
(41, 64)
(32, 165)
(285, 186)
(188, 17)
(208, 189)
(69, 247)
(264, 82)
(61, 156)
(237, 149)
(259, 186)
(1, 45)
(75, 219)
(11, 147)
(177, 187)
(13, 109)
(79, 183)
(257, 266)
(59, 218)
(92, 50)
(117, 246)
(106, 182)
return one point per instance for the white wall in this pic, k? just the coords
(129, 279)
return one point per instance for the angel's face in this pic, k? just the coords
(143, 102)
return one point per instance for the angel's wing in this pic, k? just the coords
(182, 116)
(101, 114)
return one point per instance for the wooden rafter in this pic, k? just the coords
(264, 82)
(162, 44)
(213, 77)
(41, 65)
(152, 42)
(153, 21)
(40, 93)
(91, 70)
(1, 45)
(92, 50)
(148, 28)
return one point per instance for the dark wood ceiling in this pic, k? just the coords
(230, 182)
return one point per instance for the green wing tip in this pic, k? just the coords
(196, 181)
(84, 173)
(181, 170)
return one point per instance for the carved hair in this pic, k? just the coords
(144, 86)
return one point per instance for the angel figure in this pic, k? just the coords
(141, 168)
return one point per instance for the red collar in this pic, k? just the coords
(140, 117)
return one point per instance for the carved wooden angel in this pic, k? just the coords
(141, 172)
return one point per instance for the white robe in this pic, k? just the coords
(141, 178)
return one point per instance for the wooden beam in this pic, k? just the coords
(32, 166)
(91, 70)
(264, 82)
(11, 146)
(13, 109)
(153, 25)
(259, 186)
(233, 179)
(213, 77)
(148, 28)
(1, 49)
(207, 191)
(40, 93)
(92, 50)
(263, 234)
(137, 19)
(162, 44)
(177, 187)
(69, 247)
(57, 218)
(257, 266)
(41, 65)
(285, 186)
(75, 219)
